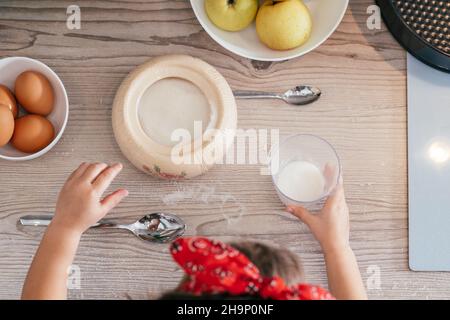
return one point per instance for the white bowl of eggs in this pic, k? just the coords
(34, 108)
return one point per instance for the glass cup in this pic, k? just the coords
(305, 170)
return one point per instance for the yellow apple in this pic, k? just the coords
(231, 15)
(283, 24)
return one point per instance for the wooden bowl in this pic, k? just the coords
(186, 159)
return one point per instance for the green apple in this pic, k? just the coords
(283, 24)
(231, 15)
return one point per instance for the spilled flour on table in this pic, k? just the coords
(206, 195)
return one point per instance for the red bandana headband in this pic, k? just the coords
(214, 267)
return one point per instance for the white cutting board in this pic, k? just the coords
(428, 167)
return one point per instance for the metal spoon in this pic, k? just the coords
(153, 227)
(299, 95)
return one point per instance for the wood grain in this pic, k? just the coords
(362, 113)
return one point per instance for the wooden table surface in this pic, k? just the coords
(362, 113)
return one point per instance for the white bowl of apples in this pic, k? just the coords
(269, 30)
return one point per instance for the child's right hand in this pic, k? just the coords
(80, 203)
(331, 225)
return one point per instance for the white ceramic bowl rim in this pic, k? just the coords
(66, 117)
(277, 146)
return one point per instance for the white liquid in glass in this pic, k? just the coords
(301, 181)
(170, 104)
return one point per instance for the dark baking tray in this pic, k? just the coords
(422, 27)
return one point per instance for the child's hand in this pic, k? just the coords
(79, 206)
(80, 202)
(331, 225)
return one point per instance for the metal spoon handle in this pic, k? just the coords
(45, 219)
(108, 224)
(244, 94)
(36, 220)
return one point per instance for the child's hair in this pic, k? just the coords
(269, 260)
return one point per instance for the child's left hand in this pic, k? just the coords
(80, 202)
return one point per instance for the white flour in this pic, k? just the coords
(171, 104)
(206, 195)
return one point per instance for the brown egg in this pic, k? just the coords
(34, 92)
(6, 124)
(7, 98)
(32, 133)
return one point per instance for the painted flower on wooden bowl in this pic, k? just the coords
(156, 171)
